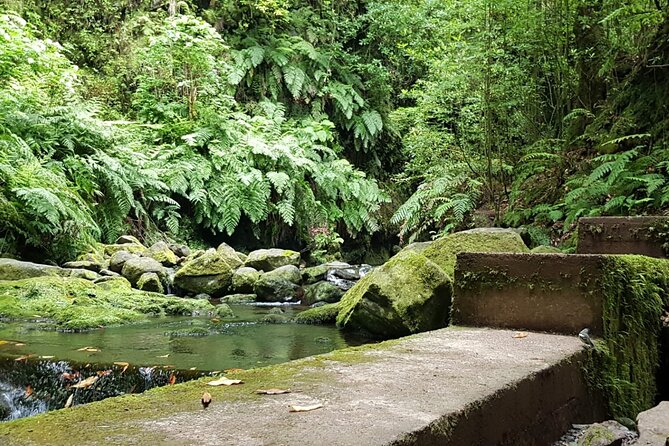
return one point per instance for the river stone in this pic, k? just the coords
(243, 279)
(83, 264)
(162, 253)
(11, 269)
(202, 296)
(208, 272)
(118, 259)
(134, 268)
(271, 259)
(180, 250)
(280, 284)
(418, 247)
(321, 292)
(229, 253)
(608, 433)
(239, 298)
(224, 311)
(83, 274)
(150, 282)
(443, 251)
(108, 272)
(408, 294)
(317, 273)
(323, 314)
(110, 250)
(127, 239)
(653, 425)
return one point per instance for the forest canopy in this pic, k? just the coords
(317, 123)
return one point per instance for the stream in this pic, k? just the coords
(38, 368)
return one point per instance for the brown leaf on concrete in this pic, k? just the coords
(88, 349)
(125, 366)
(86, 383)
(520, 335)
(173, 379)
(69, 401)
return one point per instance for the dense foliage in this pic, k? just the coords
(275, 121)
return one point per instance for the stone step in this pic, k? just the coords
(624, 235)
(452, 387)
(544, 292)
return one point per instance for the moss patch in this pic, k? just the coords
(325, 314)
(77, 304)
(625, 364)
(443, 251)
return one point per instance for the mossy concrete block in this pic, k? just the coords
(134, 267)
(408, 294)
(646, 235)
(162, 253)
(325, 314)
(244, 279)
(322, 292)
(150, 282)
(270, 259)
(443, 251)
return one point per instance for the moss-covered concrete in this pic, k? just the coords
(77, 304)
(373, 395)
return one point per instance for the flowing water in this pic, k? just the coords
(38, 367)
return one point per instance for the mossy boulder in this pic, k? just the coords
(322, 292)
(244, 279)
(133, 248)
(118, 259)
(162, 253)
(135, 267)
(239, 298)
(111, 282)
(77, 304)
(280, 284)
(150, 282)
(230, 254)
(324, 314)
(271, 259)
(84, 264)
(408, 294)
(418, 247)
(224, 311)
(11, 269)
(127, 240)
(443, 251)
(207, 272)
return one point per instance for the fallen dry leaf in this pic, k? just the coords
(125, 366)
(4, 342)
(520, 335)
(69, 401)
(305, 408)
(272, 391)
(215, 320)
(29, 391)
(19, 344)
(70, 376)
(193, 368)
(23, 358)
(103, 372)
(163, 356)
(173, 379)
(233, 370)
(86, 383)
(88, 349)
(223, 381)
(46, 357)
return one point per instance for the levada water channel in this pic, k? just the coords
(46, 370)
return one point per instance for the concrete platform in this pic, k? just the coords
(623, 235)
(544, 292)
(453, 386)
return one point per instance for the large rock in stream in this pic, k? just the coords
(271, 259)
(11, 269)
(208, 272)
(408, 294)
(412, 291)
(281, 284)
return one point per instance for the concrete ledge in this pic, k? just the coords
(623, 235)
(544, 292)
(450, 387)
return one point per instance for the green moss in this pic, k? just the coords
(443, 251)
(624, 365)
(77, 304)
(407, 295)
(224, 311)
(545, 249)
(325, 314)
